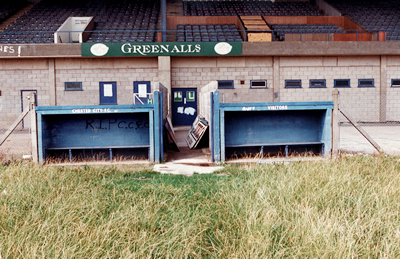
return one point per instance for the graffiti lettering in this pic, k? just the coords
(89, 123)
(7, 49)
(120, 123)
(113, 123)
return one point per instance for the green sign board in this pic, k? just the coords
(161, 49)
(150, 101)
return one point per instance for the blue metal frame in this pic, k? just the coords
(217, 132)
(161, 127)
(40, 38)
(212, 129)
(157, 127)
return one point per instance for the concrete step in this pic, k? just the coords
(180, 135)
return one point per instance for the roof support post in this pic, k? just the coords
(163, 5)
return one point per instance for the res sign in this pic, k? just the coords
(161, 49)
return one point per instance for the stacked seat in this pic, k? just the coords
(207, 32)
(251, 7)
(115, 21)
(373, 15)
(281, 29)
(8, 8)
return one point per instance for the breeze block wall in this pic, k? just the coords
(21, 75)
(393, 93)
(91, 72)
(360, 102)
(198, 72)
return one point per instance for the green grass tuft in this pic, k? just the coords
(334, 209)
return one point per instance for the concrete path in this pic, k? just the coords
(387, 137)
(187, 161)
(185, 169)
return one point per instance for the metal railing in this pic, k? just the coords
(21, 37)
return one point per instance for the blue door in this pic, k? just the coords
(184, 106)
(108, 92)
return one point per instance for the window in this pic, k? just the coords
(317, 83)
(73, 86)
(254, 84)
(366, 83)
(342, 83)
(293, 83)
(225, 84)
(395, 82)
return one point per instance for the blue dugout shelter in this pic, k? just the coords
(110, 128)
(269, 125)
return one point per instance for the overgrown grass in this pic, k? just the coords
(334, 209)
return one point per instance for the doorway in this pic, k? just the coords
(184, 106)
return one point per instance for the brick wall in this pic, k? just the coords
(205, 99)
(393, 93)
(18, 75)
(198, 72)
(361, 103)
(93, 71)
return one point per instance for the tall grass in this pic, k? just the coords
(345, 208)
